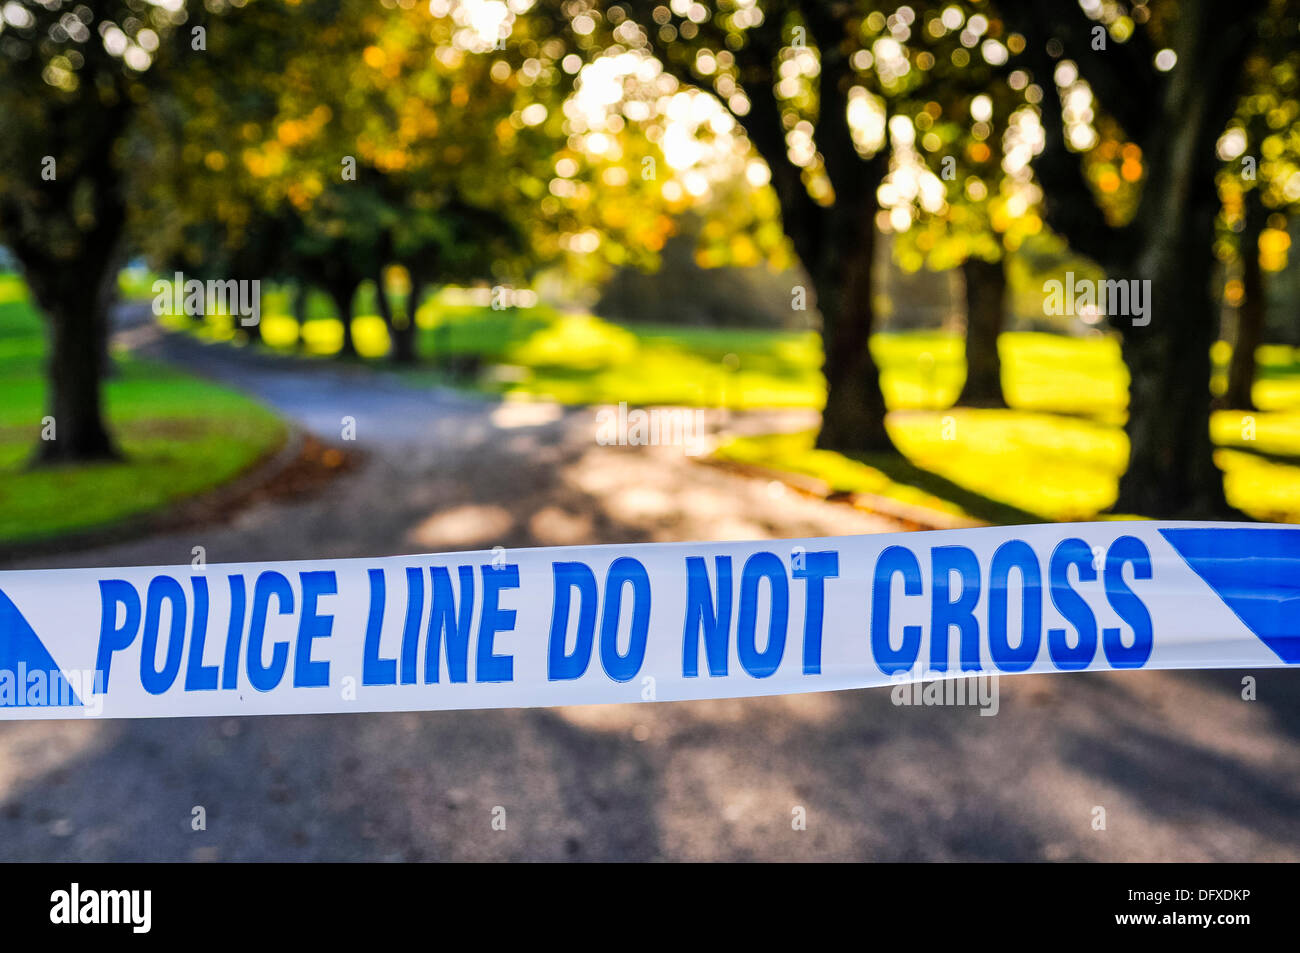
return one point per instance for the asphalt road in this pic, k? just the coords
(1182, 766)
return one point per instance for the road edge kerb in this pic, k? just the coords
(912, 516)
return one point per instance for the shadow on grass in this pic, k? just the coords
(1270, 456)
(1106, 415)
(902, 470)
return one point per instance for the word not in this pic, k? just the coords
(709, 616)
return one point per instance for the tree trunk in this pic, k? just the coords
(986, 292)
(107, 369)
(75, 364)
(253, 332)
(107, 302)
(342, 295)
(299, 308)
(442, 356)
(1251, 312)
(401, 342)
(1176, 120)
(1171, 471)
(403, 351)
(381, 301)
(76, 312)
(853, 419)
(404, 335)
(836, 243)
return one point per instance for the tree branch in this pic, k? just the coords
(1123, 76)
(801, 215)
(1069, 203)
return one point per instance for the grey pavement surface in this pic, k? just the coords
(1183, 767)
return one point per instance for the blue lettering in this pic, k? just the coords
(702, 616)
(894, 560)
(199, 677)
(234, 634)
(758, 567)
(816, 569)
(411, 631)
(490, 667)
(1072, 552)
(945, 613)
(623, 571)
(114, 593)
(312, 626)
(1130, 609)
(1019, 555)
(449, 623)
(376, 670)
(568, 577)
(156, 682)
(266, 677)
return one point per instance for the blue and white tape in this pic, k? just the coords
(648, 622)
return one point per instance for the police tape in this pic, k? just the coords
(645, 622)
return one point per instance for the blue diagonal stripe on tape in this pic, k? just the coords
(1256, 572)
(21, 651)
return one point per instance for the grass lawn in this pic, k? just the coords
(1056, 455)
(542, 354)
(180, 435)
(1020, 467)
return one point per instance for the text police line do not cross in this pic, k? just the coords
(724, 608)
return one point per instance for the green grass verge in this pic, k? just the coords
(577, 358)
(1013, 466)
(180, 436)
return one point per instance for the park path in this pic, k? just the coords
(1182, 766)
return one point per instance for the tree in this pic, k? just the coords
(376, 137)
(1251, 307)
(451, 246)
(216, 188)
(972, 121)
(71, 83)
(792, 74)
(1260, 187)
(456, 127)
(814, 85)
(1167, 75)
